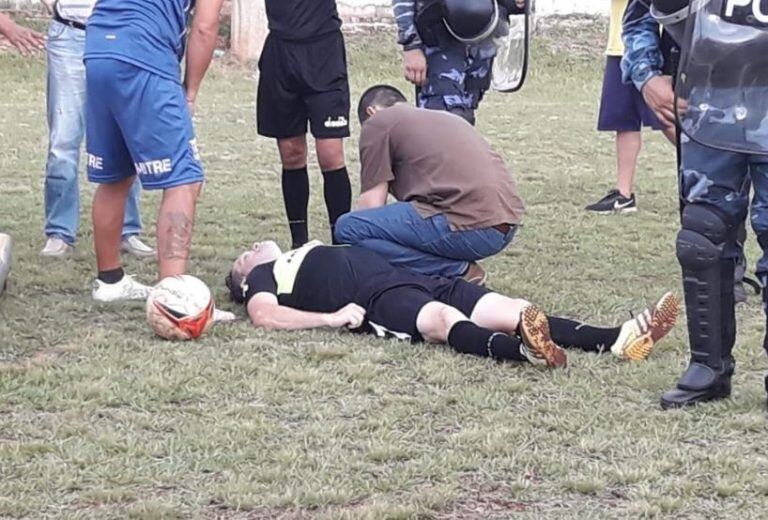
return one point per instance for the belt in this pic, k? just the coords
(503, 228)
(70, 23)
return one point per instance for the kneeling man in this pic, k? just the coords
(457, 202)
(350, 286)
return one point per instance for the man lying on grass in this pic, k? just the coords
(349, 286)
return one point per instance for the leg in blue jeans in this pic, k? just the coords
(66, 123)
(425, 245)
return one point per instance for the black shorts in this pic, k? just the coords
(300, 82)
(392, 312)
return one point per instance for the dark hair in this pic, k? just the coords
(234, 283)
(383, 96)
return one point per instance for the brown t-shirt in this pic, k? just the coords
(439, 163)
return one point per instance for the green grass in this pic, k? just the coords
(98, 418)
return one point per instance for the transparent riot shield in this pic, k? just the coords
(510, 65)
(722, 88)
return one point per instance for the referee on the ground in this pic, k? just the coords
(304, 79)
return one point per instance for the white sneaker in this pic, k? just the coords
(134, 246)
(6, 245)
(125, 289)
(56, 248)
(220, 316)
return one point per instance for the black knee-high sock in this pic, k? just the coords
(468, 338)
(338, 195)
(573, 334)
(296, 197)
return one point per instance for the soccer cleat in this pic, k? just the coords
(475, 274)
(614, 202)
(537, 345)
(126, 289)
(135, 247)
(638, 336)
(56, 248)
(6, 247)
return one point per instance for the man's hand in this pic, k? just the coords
(660, 97)
(415, 66)
(350, 316)
(25, 40)
(520, 4)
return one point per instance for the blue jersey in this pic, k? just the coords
(149, 34)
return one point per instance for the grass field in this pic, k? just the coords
(98, 418)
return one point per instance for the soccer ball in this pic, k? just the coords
(180, 308)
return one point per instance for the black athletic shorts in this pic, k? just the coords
(303, 81)
(392, 312)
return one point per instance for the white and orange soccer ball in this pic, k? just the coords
(180, 308)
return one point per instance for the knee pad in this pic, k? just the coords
(702, 239)
(708, 281)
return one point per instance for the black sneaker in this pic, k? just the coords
(614, 202)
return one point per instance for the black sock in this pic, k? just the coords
(296, 198)
(111, 276)
(573, 334)
(468, 338)
(338, 195)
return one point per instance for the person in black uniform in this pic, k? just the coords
(303, 78)
(349, 286)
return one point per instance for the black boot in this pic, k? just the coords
(709, 301)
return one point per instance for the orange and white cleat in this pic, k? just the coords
(639, 335)
(537, 345)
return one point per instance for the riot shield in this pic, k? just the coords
(510, 65)
(723, 76)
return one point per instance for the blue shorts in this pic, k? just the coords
(622, 107)
(138, 123)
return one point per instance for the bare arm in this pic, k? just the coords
(202, 42)
(376, 197)
(265, 312)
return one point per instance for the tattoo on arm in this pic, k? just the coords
(179, 235)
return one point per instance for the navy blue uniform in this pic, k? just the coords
(458, 74)
(137, 119)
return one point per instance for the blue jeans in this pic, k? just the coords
(66, 123)
(425, 245)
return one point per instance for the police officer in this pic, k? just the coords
(448, 49)
(721, 109)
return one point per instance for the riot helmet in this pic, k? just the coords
(470, 21)
(672, 14)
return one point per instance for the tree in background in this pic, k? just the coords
(249, 28)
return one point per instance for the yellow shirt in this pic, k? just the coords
(615, 45)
